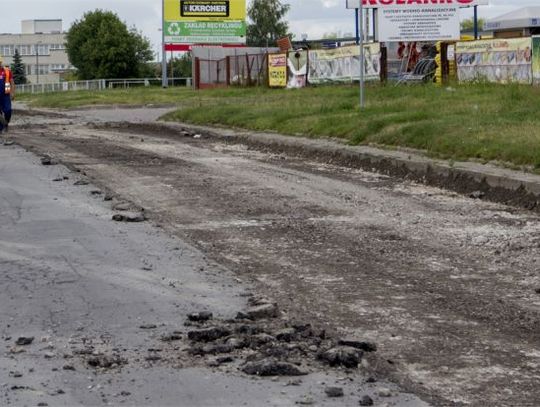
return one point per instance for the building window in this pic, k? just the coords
(25, 50)
(43, 69)
(7, 50)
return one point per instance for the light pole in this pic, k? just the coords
(361, 16)
(37, 61)
(164, 81)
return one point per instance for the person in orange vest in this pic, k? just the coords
(7, 94)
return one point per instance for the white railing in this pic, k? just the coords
(99, 84)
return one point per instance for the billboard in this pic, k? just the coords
(536, 59)
(420, 23)
(414, 3)
(498, 60)
(204, 21)
(343, 64)
(277, 70)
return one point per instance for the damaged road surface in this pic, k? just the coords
(98, 312)
(438, 293)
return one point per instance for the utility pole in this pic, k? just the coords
(362, 57)
(475, 19)
(37, 61)
(164, 80)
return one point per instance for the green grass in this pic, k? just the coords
(475, 122)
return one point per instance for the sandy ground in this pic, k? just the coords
(446, 285)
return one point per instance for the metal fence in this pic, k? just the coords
(99, 84)
(241, 70)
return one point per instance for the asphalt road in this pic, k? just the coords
(444, 284)
(84, 286)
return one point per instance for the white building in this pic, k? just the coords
(520, 23)
(41, 45)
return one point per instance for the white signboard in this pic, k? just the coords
(415, 3)
(419, 24)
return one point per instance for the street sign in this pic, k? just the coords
(418, 24)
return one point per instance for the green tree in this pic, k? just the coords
(467, 25)
(181, 67)
(101, 46)
(266, 22)
(18, 69)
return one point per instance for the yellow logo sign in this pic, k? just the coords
(189, 8)
(205, 10)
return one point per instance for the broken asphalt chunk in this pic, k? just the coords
(175, 336)
(105, 361)
(208, 334)
(47, 160)
(24, 340)
(362, 345)
(129, 217)
(334, 391)
(263, 311)
(366, 401)
(211, 349)
(200, 316)
(477, 194)
(269, 367)
(342, 356)
(286, 335)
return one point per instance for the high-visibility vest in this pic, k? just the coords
(7, 80)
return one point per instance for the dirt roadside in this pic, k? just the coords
(443, 283)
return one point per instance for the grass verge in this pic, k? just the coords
(480, 122)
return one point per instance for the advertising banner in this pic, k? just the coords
(277, 70)
(536, 59)
(414, 3)
(205, 21)
(418, 24)
(297, 62)
(343, 64)
(498, 60)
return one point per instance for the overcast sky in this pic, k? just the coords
(313, 17)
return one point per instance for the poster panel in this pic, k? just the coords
(205, 21)
(277, 70)
(297, 62)
(536, 60)
(497, 60)
(343, 64)
(418, 24)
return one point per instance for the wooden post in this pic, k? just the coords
(445, 65)
(248, 70)
(228, 68)
(384, 65)
(197, 73)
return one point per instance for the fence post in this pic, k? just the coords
(384, 65)
(228, 69)
(258, 70)
(248, 70)
(197, 73)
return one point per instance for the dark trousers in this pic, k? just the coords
(5, 107)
